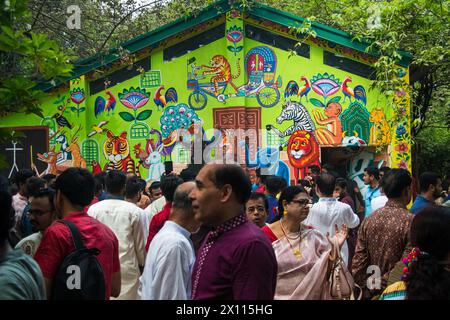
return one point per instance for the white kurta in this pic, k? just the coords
(149, 212)
(328, 212)
(168, 267)
(124, 218)
(378, 202)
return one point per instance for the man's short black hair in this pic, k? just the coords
(395, 182)
(48, 193)
(275, 184)
(426, 179)
(34, 184)
(22, 176)
(258, 195)
(373, 171)
(77, 185)
(99, 182)
(235, 176)
(155, 185)
(102, 178)
(132, 187)
(385, 169)
(314, 169)
(48, 177)
(6, 211)
(326, 183)
(115, 181)
(169, 184)
(341, 182)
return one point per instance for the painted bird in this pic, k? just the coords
(162, 100)
(304, 90)
(102, 105)
(291, 89)
(61, 120)
(98, 128)
(359, 93)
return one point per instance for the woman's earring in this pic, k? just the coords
(284, 213)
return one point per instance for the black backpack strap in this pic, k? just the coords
(75, 234)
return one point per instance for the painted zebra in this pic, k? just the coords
(117, 151)
(295, 111)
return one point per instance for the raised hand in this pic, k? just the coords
(340, 234)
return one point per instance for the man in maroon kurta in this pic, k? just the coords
(236, 260)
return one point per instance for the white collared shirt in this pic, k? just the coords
(124, 219)
(168, 266)
(328, 212)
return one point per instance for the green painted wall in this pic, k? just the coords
(369, 117)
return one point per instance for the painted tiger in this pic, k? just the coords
(221, 69)
(117, 152)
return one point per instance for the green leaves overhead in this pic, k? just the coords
(28, 57)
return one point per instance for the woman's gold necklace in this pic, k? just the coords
(296, 252)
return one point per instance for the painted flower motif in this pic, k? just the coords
(134, 98)
(235, 34)
(77, 95)
(402, 164)
(400, 130)
(325, 85)
(402, 147)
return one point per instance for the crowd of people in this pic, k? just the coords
(222, 232)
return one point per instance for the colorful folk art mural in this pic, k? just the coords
(149, 118)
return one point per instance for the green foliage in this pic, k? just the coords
(433, 149)
(26, 58)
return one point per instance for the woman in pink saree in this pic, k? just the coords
(303, 254)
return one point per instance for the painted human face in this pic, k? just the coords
(298, 208)
(256, 211)
(41, 213)
(206, 197)
(333, 110)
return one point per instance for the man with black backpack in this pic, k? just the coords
(78, 255)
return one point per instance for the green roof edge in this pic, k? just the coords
(259, 10)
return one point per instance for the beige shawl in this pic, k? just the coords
(304, 277)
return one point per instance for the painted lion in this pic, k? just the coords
(303, 151)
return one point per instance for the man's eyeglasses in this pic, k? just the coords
(302, 202)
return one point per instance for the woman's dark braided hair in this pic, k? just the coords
(429, 276)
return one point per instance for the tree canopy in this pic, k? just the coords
(35, 43)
